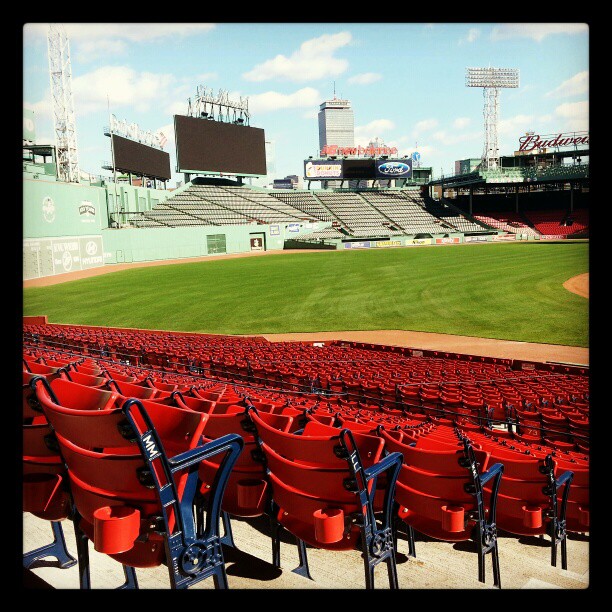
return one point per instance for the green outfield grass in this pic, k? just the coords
(511, 291)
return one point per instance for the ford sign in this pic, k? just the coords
(394, 169)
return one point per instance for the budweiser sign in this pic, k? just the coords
(365, 151)
(532, 142)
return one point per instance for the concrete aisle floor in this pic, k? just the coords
(524, 564)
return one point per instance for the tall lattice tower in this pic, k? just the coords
(491, 80)
(60, 74)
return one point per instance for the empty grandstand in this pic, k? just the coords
(449, 214)
(306, 202)
(381, 212)
(359, 217)
(510, 222)
(218, 205)
(559, 222)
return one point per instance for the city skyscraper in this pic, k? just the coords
(336, 124)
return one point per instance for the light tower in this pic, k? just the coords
(206, 105)
(491, 80)
(60, 74)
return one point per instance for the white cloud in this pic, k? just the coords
(365, 78)
(446, 139)
(426, 151)
(311, 114)
(577, 85)
(470, 37)
(90, 41)
(519, 124)
(204, 77)
(426, 125)
(461, 122)
(89, 50)
(378, 125)
(136, 32)
(365, 133)
(313, 60)
(123, 86)
(176, 108)
(574, 115)
(273, 100)
(536, 31)
(42, 108)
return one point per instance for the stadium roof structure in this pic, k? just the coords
(44, 150)
(521, 171)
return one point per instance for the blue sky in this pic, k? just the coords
(406, 82)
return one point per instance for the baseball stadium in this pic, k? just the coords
(378, 378)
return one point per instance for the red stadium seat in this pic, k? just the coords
(527, 501)
(133, 476)
(323, 483)
(440, 493)
(45, 482)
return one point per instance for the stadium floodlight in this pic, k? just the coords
(218, 106)
(491, 80)
(64, 121)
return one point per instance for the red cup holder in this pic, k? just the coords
(40, 491)
(250, 493)
(583, 516)
(329, 525)
(532, 517)
(453, 518)
(115, 528)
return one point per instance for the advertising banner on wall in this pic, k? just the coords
(373, 244)
(49, 256)
(256, 244)
(419, 241)
(357, 245)
(393, 168)
(322, 169)
(475, 238)
(87, 212)
(90, 252)
(448, 240)
(387, 243)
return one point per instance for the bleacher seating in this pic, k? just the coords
(323, 482)
(306, 202)
(405, 209)
(440, 490)
(434, 399)
(510, 222)
(218, 205)
(133, 469)
(553, 222)
(451, 216)
(45, 489)
(356, 215)
(559, 171)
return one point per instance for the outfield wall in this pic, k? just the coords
(55, 208)
(66, 229)
(134, 244)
